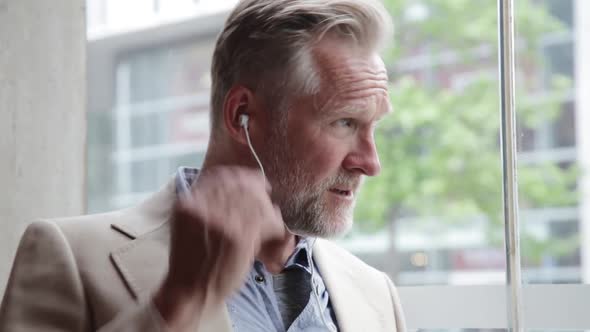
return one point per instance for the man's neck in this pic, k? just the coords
(274, 254)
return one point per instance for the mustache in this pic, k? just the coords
(345, 180)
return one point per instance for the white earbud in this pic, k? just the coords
(244, 121)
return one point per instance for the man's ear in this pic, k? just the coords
(239, 100)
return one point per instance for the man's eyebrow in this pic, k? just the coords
(346, 110)
(352, 110)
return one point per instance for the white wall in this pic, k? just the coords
(42, 116)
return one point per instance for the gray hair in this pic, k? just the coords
(266, 45)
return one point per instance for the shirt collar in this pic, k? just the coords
(185, 177)
(300, 256)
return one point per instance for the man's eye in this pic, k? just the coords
(345, 123)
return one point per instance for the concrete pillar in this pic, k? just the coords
(582, 77)
(42, 116)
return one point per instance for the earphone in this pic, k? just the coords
(244, 120)
(244, 124)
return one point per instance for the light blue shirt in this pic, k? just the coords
(284, 302)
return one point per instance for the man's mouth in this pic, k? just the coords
(342, 192)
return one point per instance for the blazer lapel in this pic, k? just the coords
(143, 261)
(354, 311)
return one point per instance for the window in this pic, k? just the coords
(433, 219)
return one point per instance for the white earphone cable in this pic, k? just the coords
(245, 125)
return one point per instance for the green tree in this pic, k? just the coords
(440, 150)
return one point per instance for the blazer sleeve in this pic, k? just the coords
(45, 291)
(400, 321)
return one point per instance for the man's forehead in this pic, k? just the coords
(354, 72)
(333, 53)
(352, 80)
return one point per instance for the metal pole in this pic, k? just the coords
(509, 164)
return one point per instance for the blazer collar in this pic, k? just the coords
(149, 215)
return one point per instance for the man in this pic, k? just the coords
(226, 248)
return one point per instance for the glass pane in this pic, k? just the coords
(548, 168)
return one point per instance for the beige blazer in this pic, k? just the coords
(97, 272)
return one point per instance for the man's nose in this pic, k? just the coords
(364, 158)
